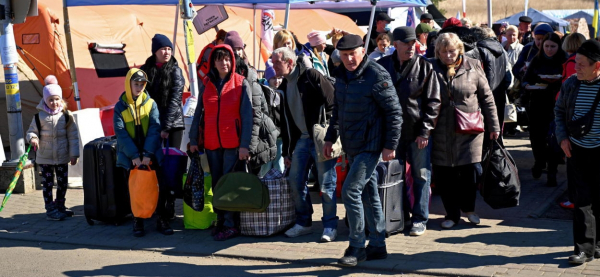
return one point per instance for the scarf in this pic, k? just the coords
(452, 68)
(53, 112)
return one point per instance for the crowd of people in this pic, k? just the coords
(397, 99)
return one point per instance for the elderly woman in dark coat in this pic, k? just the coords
(456, 156)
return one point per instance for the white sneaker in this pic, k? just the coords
(297, 231)
(447, 224)
(418, 228)
(473, 218)
(329, 235)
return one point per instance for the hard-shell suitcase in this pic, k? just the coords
(390, 183)
(105, 191)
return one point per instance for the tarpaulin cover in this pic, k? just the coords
(134, 25)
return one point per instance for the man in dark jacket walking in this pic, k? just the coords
(418, 90)
(366, 117)
(382, 20)
(308, 96)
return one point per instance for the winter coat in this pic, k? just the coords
(316, 92)
(494, 63)
(527, 54)
(568, 68)
(419, 94)
(565, 107)
(367, 115)
(58, 140)
(136, 140)
(171, 114)
(263, 146)
(245, 107)
(470, 91)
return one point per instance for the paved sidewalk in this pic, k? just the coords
(508, 242)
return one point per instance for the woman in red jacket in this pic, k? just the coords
(225, 113)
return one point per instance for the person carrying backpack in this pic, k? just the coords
(55, 138)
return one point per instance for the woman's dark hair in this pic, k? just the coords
(163, 74)
(219, 54)
(240, 66)
(556, 39)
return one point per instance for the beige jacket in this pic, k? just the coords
(59, 141)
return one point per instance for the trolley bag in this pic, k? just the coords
(206, 218)
(143, 190)
(241, 192)
(105, 190)
(390, 185)
(280, 214)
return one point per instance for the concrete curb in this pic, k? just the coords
(558, 191)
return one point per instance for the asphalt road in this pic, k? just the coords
(27, 258)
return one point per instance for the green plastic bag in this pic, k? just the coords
(206, 218)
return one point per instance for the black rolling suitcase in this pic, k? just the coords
(390, 183)
(105, 190)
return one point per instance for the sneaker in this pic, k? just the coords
(55, 215)
(418, 228)
(473, 218)
(163, 227)
(567, 205)
(227, 233)
(447, 224)
(60, 205)
(297, 231)
(329, 235)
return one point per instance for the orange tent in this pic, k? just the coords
(43, 42)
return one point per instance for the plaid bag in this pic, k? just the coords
(280, 214)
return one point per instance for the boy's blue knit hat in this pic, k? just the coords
(269, 72)
(160, 41)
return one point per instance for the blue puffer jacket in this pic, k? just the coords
(367, 114)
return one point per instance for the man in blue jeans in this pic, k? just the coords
(308, 101)
(367, 117)
(418, 90)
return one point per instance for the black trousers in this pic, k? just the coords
(457, 187)
(584, 166)
(541, 114)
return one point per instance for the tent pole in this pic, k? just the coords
(287, 16)
(70, 54)
(175, 29)
(368, 37)
(254, 37)
(526, 7)
(489, 13)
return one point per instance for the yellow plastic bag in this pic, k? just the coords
(143, 191)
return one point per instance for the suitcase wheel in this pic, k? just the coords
(89, 221)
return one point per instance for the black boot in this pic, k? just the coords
(138, 227)
(170, 209)
(163, 227)
(60, 205)
(551, 179)
(353, 256)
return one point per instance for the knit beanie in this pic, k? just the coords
(234, 40)
(542, 29)
(159, 41)
(52, 90)
(50, 79)
(269, 73)
(315, 38)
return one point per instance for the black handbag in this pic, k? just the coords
(581, 126)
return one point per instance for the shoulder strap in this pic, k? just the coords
(67, 117)
(407, 69)
(37, 122)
